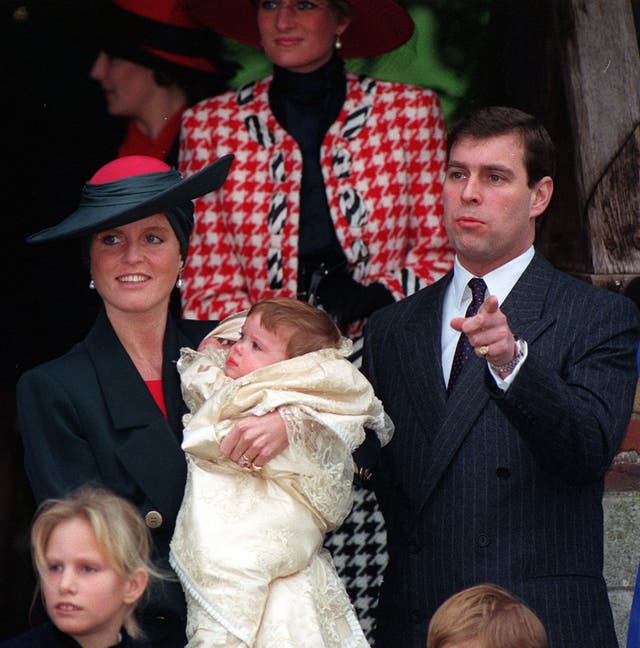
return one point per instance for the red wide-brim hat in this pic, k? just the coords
(377, 26)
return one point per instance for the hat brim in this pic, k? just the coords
(377, 26)
(96, 218)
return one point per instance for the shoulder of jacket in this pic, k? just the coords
(195, 330)
(372, 85)
(211, 103)
(75, 360)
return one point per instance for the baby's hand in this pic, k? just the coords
(213, 342)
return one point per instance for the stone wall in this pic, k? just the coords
(622, 524)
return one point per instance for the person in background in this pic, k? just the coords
(511, 386)
(485, 616)
(335, 197)
(109, 410)
(336, 191)
(154, 62)
(91, 551)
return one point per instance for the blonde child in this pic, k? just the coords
(91, 553)
(248, 540)
(485, 616)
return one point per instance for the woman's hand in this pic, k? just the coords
(347, 301)
(255, 440)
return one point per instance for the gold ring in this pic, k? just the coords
(483, 350)
(244, 462)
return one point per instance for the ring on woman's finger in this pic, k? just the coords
(255, 468)
(244, 462)
(483, 350)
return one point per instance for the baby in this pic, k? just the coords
(248, 543)
(91, 552)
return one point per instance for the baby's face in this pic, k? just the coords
(256, 348)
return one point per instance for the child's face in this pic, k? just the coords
(84, 596)
(256, 348)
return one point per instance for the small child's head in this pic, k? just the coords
(485, 616)
(92, 554)
(277, 329)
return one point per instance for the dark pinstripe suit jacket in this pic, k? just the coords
(503, 487)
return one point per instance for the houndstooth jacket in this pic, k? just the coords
(382, 162)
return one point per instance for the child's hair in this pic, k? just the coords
(491, 615)
(311, 328)
(121, 534)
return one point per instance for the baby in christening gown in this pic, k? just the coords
(248, 543)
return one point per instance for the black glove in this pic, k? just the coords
(347, 301)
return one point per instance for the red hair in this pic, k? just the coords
(310, 328)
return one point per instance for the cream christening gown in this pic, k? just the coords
(248, 545)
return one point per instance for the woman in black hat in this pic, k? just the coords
(109, 411)
(154, 62)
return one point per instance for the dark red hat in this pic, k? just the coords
(160, 35)
(377, 26)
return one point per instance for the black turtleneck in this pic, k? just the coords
(306, 104)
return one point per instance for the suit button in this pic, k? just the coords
(503, 473)
(483, 540)
(153, 519)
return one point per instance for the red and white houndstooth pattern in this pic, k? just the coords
(383, 166)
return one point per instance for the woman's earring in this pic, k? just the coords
(179, 281)
(338, 44)
(92, 285)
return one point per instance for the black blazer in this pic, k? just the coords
(88, 417)
(503, 487)
(48, 636)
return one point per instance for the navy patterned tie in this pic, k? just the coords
(464, 348)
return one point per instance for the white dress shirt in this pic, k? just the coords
(458, 297)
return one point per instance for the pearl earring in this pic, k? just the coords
(338, 44)
(92, 285)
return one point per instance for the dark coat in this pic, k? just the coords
(88, 417)
(503, 487)
(48, 636)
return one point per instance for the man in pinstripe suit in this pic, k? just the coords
(499, 477)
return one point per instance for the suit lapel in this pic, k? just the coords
(419, 352)
(143, 439)
(174, 340)
(524, 307)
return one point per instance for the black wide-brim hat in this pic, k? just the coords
(376, 27)
(132, 188)
(159, 35)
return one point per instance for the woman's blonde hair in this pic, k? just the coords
(121, 534)
(311, 329)
(489, 614)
